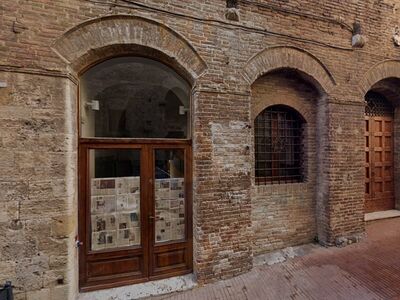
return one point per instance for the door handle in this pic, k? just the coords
(151, 218)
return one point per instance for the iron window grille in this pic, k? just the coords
(377, 105)
(279, 145)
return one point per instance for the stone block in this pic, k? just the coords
(42, 294)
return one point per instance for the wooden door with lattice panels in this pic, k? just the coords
(379, 158)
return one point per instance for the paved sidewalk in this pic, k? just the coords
(367, 270)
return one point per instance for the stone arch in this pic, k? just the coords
(114, 35)
(380, 71)
(281, 57)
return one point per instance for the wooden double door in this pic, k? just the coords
(135, 212)
(379, 163)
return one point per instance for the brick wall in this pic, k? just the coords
(222, 59)
(283, 215)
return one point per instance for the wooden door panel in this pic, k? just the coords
(171, 259)
(111, 268)
(379, 185)
(105, 178)
(171, 250)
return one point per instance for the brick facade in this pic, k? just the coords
(285, 214)
(297, 53)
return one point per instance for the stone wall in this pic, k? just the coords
(45, 45)
(39, 188)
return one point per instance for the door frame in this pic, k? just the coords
(147, 148)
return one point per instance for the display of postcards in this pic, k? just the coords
(111, 239)
(103, 186)
(103, 204)
(162, 215)
(128, 220)
(181, 211)
(173, 204)
(133, 201)
(128, 185)
(157, 184)
(103, 222)
(162, 231)
(158, 214)
(174, 213)
(107, 184)
(104, 239)
(128, 237)
(173, 229)
(176, 183)
(163, 183)
(133, 185)
(180, 232)
(174, 194)
(178, 228)
(124, 221)
(98, 240)
(128, 202)
(162, 204)
(122, 202)
(163, 194)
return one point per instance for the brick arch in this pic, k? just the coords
(303, 111)
(382, 70)
(281, 57)
(114, 35)
(384, 77)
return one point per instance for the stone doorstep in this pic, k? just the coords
(143, 290)
(393, 213)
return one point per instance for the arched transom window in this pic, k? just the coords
(279, 145)
(134, 97)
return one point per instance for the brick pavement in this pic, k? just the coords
(367, 270)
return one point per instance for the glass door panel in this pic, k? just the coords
(137, 213)
(114, 198)
(169, 195)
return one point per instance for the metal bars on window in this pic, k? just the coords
(278, 145)
(377, 105)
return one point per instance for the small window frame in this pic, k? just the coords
(279, 144)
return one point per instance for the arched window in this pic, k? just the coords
(377, 105)
(279, 145)
(134, 97)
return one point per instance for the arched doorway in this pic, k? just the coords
(379, 153)
(135, 211)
